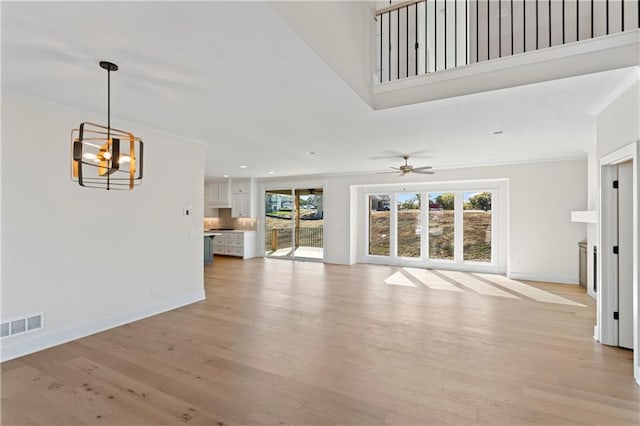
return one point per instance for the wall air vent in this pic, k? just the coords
(23, 325)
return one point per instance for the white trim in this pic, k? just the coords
(292, 185)
(579, 157)
(458, 188)
(41, 340)
(449, 265)
(606, 328)
(458, 226)
(543, 278)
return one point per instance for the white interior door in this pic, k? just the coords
(625, 255)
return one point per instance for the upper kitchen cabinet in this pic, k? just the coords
(241, 187)
(240, 205)
(242, 192)
(216, 195)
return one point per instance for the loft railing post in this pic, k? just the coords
(537, 25)
(488, 29)
(512, 27)
(499, 28)
(549, 20)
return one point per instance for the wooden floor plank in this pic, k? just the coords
(280, 342)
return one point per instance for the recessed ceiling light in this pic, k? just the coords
(498, 132)
(243, 167)
(225, 175)
(272, 173)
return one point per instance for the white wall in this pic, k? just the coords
(619, 123)
(542, 241)
(341, 33)
(91, 259)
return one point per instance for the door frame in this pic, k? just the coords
(607, 295)
(292, 186)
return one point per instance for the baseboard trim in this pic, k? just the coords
(545, 278)
(39, 340)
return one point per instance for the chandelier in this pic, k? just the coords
(103, 157)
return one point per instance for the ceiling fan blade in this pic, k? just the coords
(423, 172)
(395, 168)
(384, 173)
(422, 168)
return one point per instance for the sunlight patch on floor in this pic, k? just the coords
(477, 285)
(484, 284)
(398, 278)
(430, 279)
(527, 290)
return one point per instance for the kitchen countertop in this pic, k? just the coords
(212, 233)
(221, 231)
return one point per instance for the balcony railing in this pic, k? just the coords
(282, 237)
(421, 37)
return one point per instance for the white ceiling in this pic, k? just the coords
(235, 76)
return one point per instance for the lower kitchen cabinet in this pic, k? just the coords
(236, 243)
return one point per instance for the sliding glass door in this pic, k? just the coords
(294, 223)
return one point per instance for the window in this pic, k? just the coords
(409, 229)
(379, 224)
(441, 225)
(476, 225)
(454, 226)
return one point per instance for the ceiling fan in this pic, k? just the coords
(406, 168)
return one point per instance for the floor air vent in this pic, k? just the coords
(21, 325)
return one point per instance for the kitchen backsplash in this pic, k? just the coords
(244, 224)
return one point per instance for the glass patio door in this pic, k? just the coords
(294, 223)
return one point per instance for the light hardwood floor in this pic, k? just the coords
(279, 342)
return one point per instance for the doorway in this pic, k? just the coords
(618, 323)
(294, 223)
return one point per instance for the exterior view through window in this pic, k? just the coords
(476, 225)
(409, 225)
(459, 225)
(441, 225)
(379, 224)
(294, 223)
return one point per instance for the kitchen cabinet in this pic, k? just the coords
(216, 194)
(236, 243)
(242, 198)
(242, 187)
(240, 205)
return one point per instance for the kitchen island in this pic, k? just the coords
(208, 245)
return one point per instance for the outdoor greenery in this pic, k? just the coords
(446, 200)
(481, 201)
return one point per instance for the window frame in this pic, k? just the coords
(499, 231)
